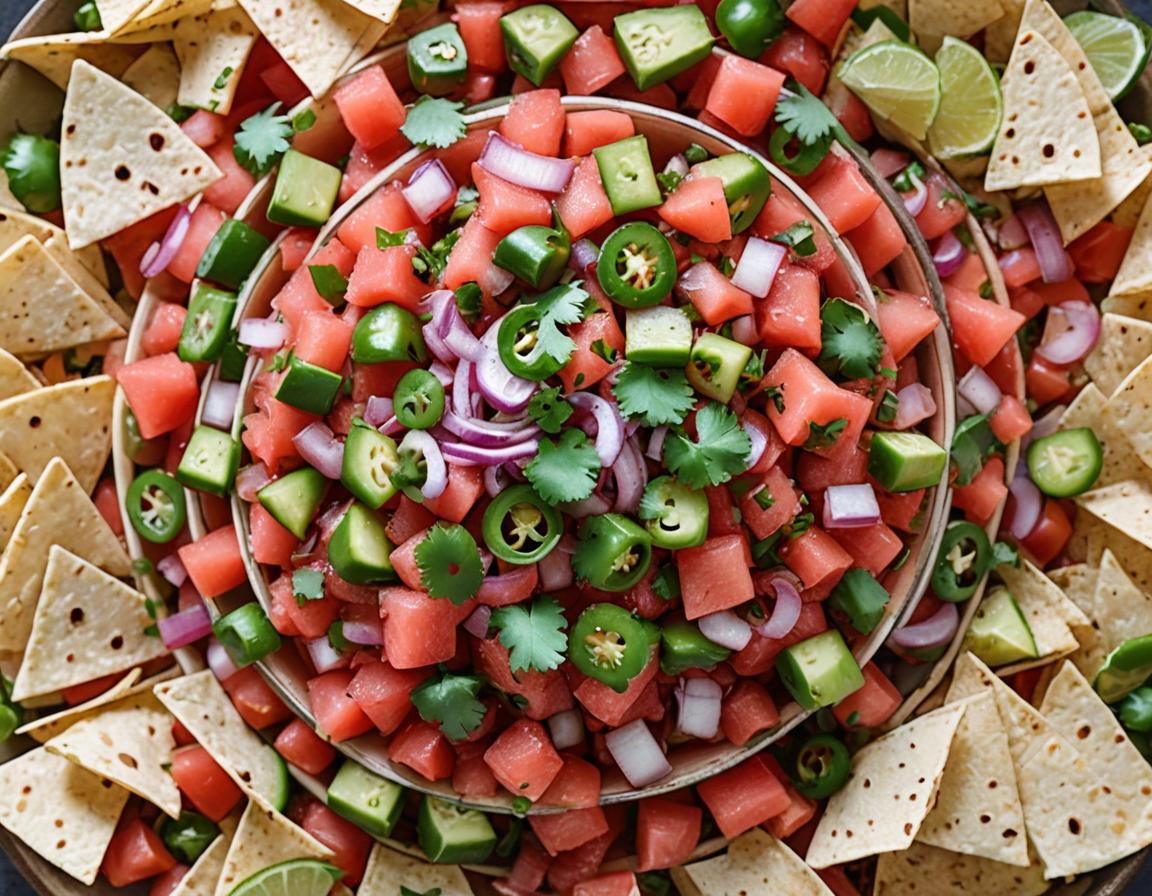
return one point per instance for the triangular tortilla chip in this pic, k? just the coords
(1131, 408)
(1048, 611)
(1000, 36)
(755, 862)
(1122, 610)
(1047, 135)
(1124, 343)
(1127, 213)
(1078, 582)
(87, 625)
(923, 870)
(57, 247)
(8, 472)
(1126, 506)
(388, 870)
(71, 420)
(890, 791)
(155, 76)
(58, 512)
(115, 14)
(1039, 16)
(213, 50)
(54, 55)
(203, 876)
(978, 807)
(12, 502)
(1135, 274)
(129, 743)
(383, 11)
(159, 13)
(265, 838)
(941, 17)
(315, 37)
(46, 727)
(14, 377)
(1089, 409)
(16, 224)
(121, 158)
(59, 810)
(42, 309)
(202, 706)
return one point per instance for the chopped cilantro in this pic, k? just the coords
(852, 345)
(386, 239)
(451, 701)
(152, 631)
(800, 524)
(804, 118)
(753, 371)
(669, 181)
(666, 583)
(307, 584)
(764, 499)
(1004, 554)
(604, 350)
(262, 139)
(329, 282)
(469, 300)
(449, 563)
(764, 552)
(304, 121)
(565, 469)
(696, 153)
(336, 637)
(721, 449)
(775, 394)
(563, 304)
(889, 405)
(222, 79)
(905, 180)
(434, 122)
(986, 289)
(535, 636)
(150, 607)
(280, 360)
(657, 395)
(549, 409)
(142, 566)
(178, 113)
(799, 237)
(1141, 132)
(824, 435)
(430, 263)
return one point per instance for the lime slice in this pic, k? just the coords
(970, 104)
(1114, 46)
(297, 877)
(897, 82)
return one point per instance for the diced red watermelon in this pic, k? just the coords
(870, 706)
(523, 759)
(698, 208)
(535, 121)
(714, 576)
(162, 391)
(816, 558)
(206, 220)
(747, 710)
(743, 797)
(584, 131)
(844, 195)
(418, 630)
(214, 562)
(423, 747)
(385, 275)
(591, 63)
(790, 314)
(980, 327)
(505, 206)
(228, 193)
(338, 716)
(743, 94)
(479, 25)
(584, 206)
(370, 107)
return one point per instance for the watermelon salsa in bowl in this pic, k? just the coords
(523, 473)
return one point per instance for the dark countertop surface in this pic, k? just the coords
(11, 884)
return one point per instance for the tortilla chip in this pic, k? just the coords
(1126, 506)
(1047, 135)
(8, 472)
(1135, 274)
(388, 869)
(885, 801)
(755, 862)
(54, 55)
(58, 512)
(315, 37)
(1130, 406)
(14, 377)
(12, 503)
(213, 50)
(1078, 207)
(1048, 611)
(71, 420)
(1127, 213)
(978, 807)
(383, 11)
(115, 14)
(46, 727)
(1000, 35)
(1039, 16)
(923, 870)
(202, 706)
(16, 224)
(203, 876)
(157, 14)
(92, 621)
(941, 17)
(1121, 609)
(121, 158)
(1124, 343)
(1089, 409)
(57, 247)
(129, 743)
(155, 75)
(59, 810)
(265, 838)
(42, 309)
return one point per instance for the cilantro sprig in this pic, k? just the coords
(535, 636)
(559, 306)
(852, 345)
(805, 119)
(329, 282)
(263, 138)
(453, 702)
(307, 584)
(720, 451)
(550, 410)
(565, 469)
(449, 563)
(657, 395)
(799, 237)
(434, 122)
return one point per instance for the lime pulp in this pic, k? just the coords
(1115, 47)
(898, 83)
(296, 877)
(970, 102)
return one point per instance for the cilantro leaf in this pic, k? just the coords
(262, 139)
(434, 122)
(657, 395)
(430, 263)
(469, 301)
(329, 282)
(1005, 554)
(386, 239)
(565, 469)
(721, 449)
(535, 636)
(558, 306)
(452, 701)
(799, 237)
(549, 409)
(449, 563)
(307, 584)
(852, 344)
(824, 435)
(806, 119)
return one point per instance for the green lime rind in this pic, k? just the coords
(971, 106)
(1117, 48)
(898, 82)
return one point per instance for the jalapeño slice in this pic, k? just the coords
(614, 552)
(609, 644)
(965, 555)
(519, 527)
(821, 766)
(636, 266)
(156, 506)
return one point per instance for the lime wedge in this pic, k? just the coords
(970, 104)
(1115, 47)
(897, 82)
(297, 877)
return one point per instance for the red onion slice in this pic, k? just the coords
(221, 664)
(477, 622)
(631, 475)
(1044, 234)
(500, 388)
(437, 346)
(261, 333)
(637, 753)
(758, 265)
(1012, 234)
(917, 199)
(584, 252)
(160, 254)
(850, 506)
(473, 456)
(786, 613)
(377, 410)
(430, 190)
(1070, 333)
(186, 627)
(744, 330)
(366, 634)
(496, 479)
(949, 254)
(935, 631)
(609, 424)
(759, 442)
(220, 404)
(324, 656)
(915, 405)
(979, 390)
(489, 433)
(726, 629)
(320, 448)
(699, 700)
(555, 570)
(656, 444)
(517, 165)
(250, 480)
(1025, 506)
(451, 327)
(593, 505)
(567, 729)
(889, 162)
(423, 444)
(172, 569)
